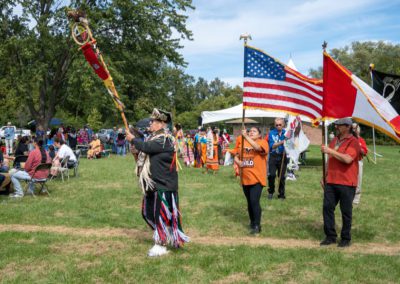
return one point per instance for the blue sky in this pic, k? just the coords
(281, 28)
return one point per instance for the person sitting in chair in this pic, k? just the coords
(21, 153)
(63, 151)
(94, 148)
(35, 158)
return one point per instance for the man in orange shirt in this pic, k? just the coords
(254, 173)
(341, 181)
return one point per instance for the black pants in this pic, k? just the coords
(274, 166)
(334, 193)
(253, 196)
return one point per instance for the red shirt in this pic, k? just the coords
(363, 145)
(34, 159)
(339, 172)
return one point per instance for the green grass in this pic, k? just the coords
(106, 195)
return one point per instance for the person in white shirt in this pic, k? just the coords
(63, 151)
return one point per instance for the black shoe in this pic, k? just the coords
(255, 230)
(281, 197)
(327, 242)
(344, 243)
(270, 196)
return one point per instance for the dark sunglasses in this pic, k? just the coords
(278, 124)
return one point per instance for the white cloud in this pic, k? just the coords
(266, 20)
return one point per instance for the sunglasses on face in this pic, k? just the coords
(278, 125)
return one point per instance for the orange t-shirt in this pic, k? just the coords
(255, 162)
(238, 142)
(342, 173)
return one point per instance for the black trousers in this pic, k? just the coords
(253, 196)
(274, 167)
(333, 194)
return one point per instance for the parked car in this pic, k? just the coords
(18, 132)
(104, 135)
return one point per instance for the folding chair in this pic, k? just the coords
(42, 181)
(63, 168)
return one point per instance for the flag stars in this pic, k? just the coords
(260, 65)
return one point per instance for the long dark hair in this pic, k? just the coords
(39, 142)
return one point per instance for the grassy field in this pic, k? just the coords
(90, 230)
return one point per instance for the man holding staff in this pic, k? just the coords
(340, 182)
(158, 178)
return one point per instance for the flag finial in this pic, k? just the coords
(324, 45)
(245, 36)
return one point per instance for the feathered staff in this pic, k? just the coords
(82, 35)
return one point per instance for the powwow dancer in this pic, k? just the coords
(188, 156)
(158, 178)
(212, 151)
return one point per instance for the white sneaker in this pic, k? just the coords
(16, 195)
(157, 250)
(291, 177)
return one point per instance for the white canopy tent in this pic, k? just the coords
(237, 112)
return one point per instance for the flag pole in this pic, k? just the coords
(371, 67)
(245, 38)
(324, 45)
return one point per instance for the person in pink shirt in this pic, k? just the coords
(36, 157)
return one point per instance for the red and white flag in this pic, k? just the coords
(269, 84)
(346, 95)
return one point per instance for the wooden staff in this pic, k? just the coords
(82, 35)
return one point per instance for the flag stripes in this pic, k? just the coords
(269, 84)
(293, 95)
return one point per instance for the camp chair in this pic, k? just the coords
(105, 152)
(63, 169)
(42, 181)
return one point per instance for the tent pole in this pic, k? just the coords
(371, 67)
(373, 139)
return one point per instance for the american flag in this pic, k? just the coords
(269, 84)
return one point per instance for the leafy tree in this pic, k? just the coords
(94, 119)
(359, 55)
(218, 96)
(41, 68)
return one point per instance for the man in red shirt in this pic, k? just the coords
(340, 182)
